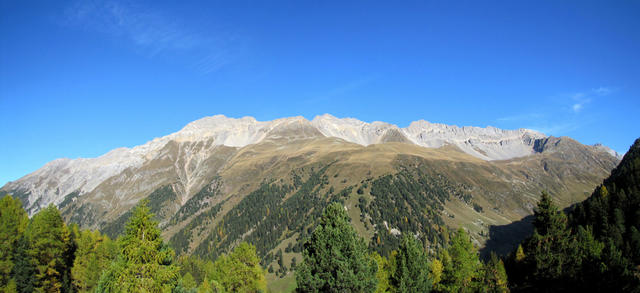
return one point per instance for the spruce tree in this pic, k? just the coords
(336, 259)
(24, 271)
(547, 251)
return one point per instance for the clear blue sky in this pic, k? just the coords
(80, 78)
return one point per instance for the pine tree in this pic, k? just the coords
(411, 273)
(335, 259)
(145, 263)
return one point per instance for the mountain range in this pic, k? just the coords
(220, 180)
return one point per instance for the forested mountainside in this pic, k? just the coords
(595, 249)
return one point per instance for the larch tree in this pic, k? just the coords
(495, 276)
(145, 262)
(94, 254)
(462, 267)
(13, 221)
(240, 271)
(51, 250)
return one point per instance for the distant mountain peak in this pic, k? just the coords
(607, 149)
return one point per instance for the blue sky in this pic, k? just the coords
(79, 78)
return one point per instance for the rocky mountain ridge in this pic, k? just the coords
(199, 139)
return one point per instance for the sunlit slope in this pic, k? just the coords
(208, 197)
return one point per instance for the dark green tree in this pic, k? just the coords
(547, 251)
(24, 271)
(336, 259)
(411, 272)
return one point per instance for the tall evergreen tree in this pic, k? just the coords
(13, 221)
(24, 271)
(336, 259)
(548, 250)
(145, 262)
(50, 250)
(462, 267)
(411, 273)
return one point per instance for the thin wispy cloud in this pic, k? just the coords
(603, 91)
(152, 32)
(521, 117)
(342, 89)
(577, 107)
(581, 99)
(555, 129)
(561, 114)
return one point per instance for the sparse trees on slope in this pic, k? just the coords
(336, 259)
